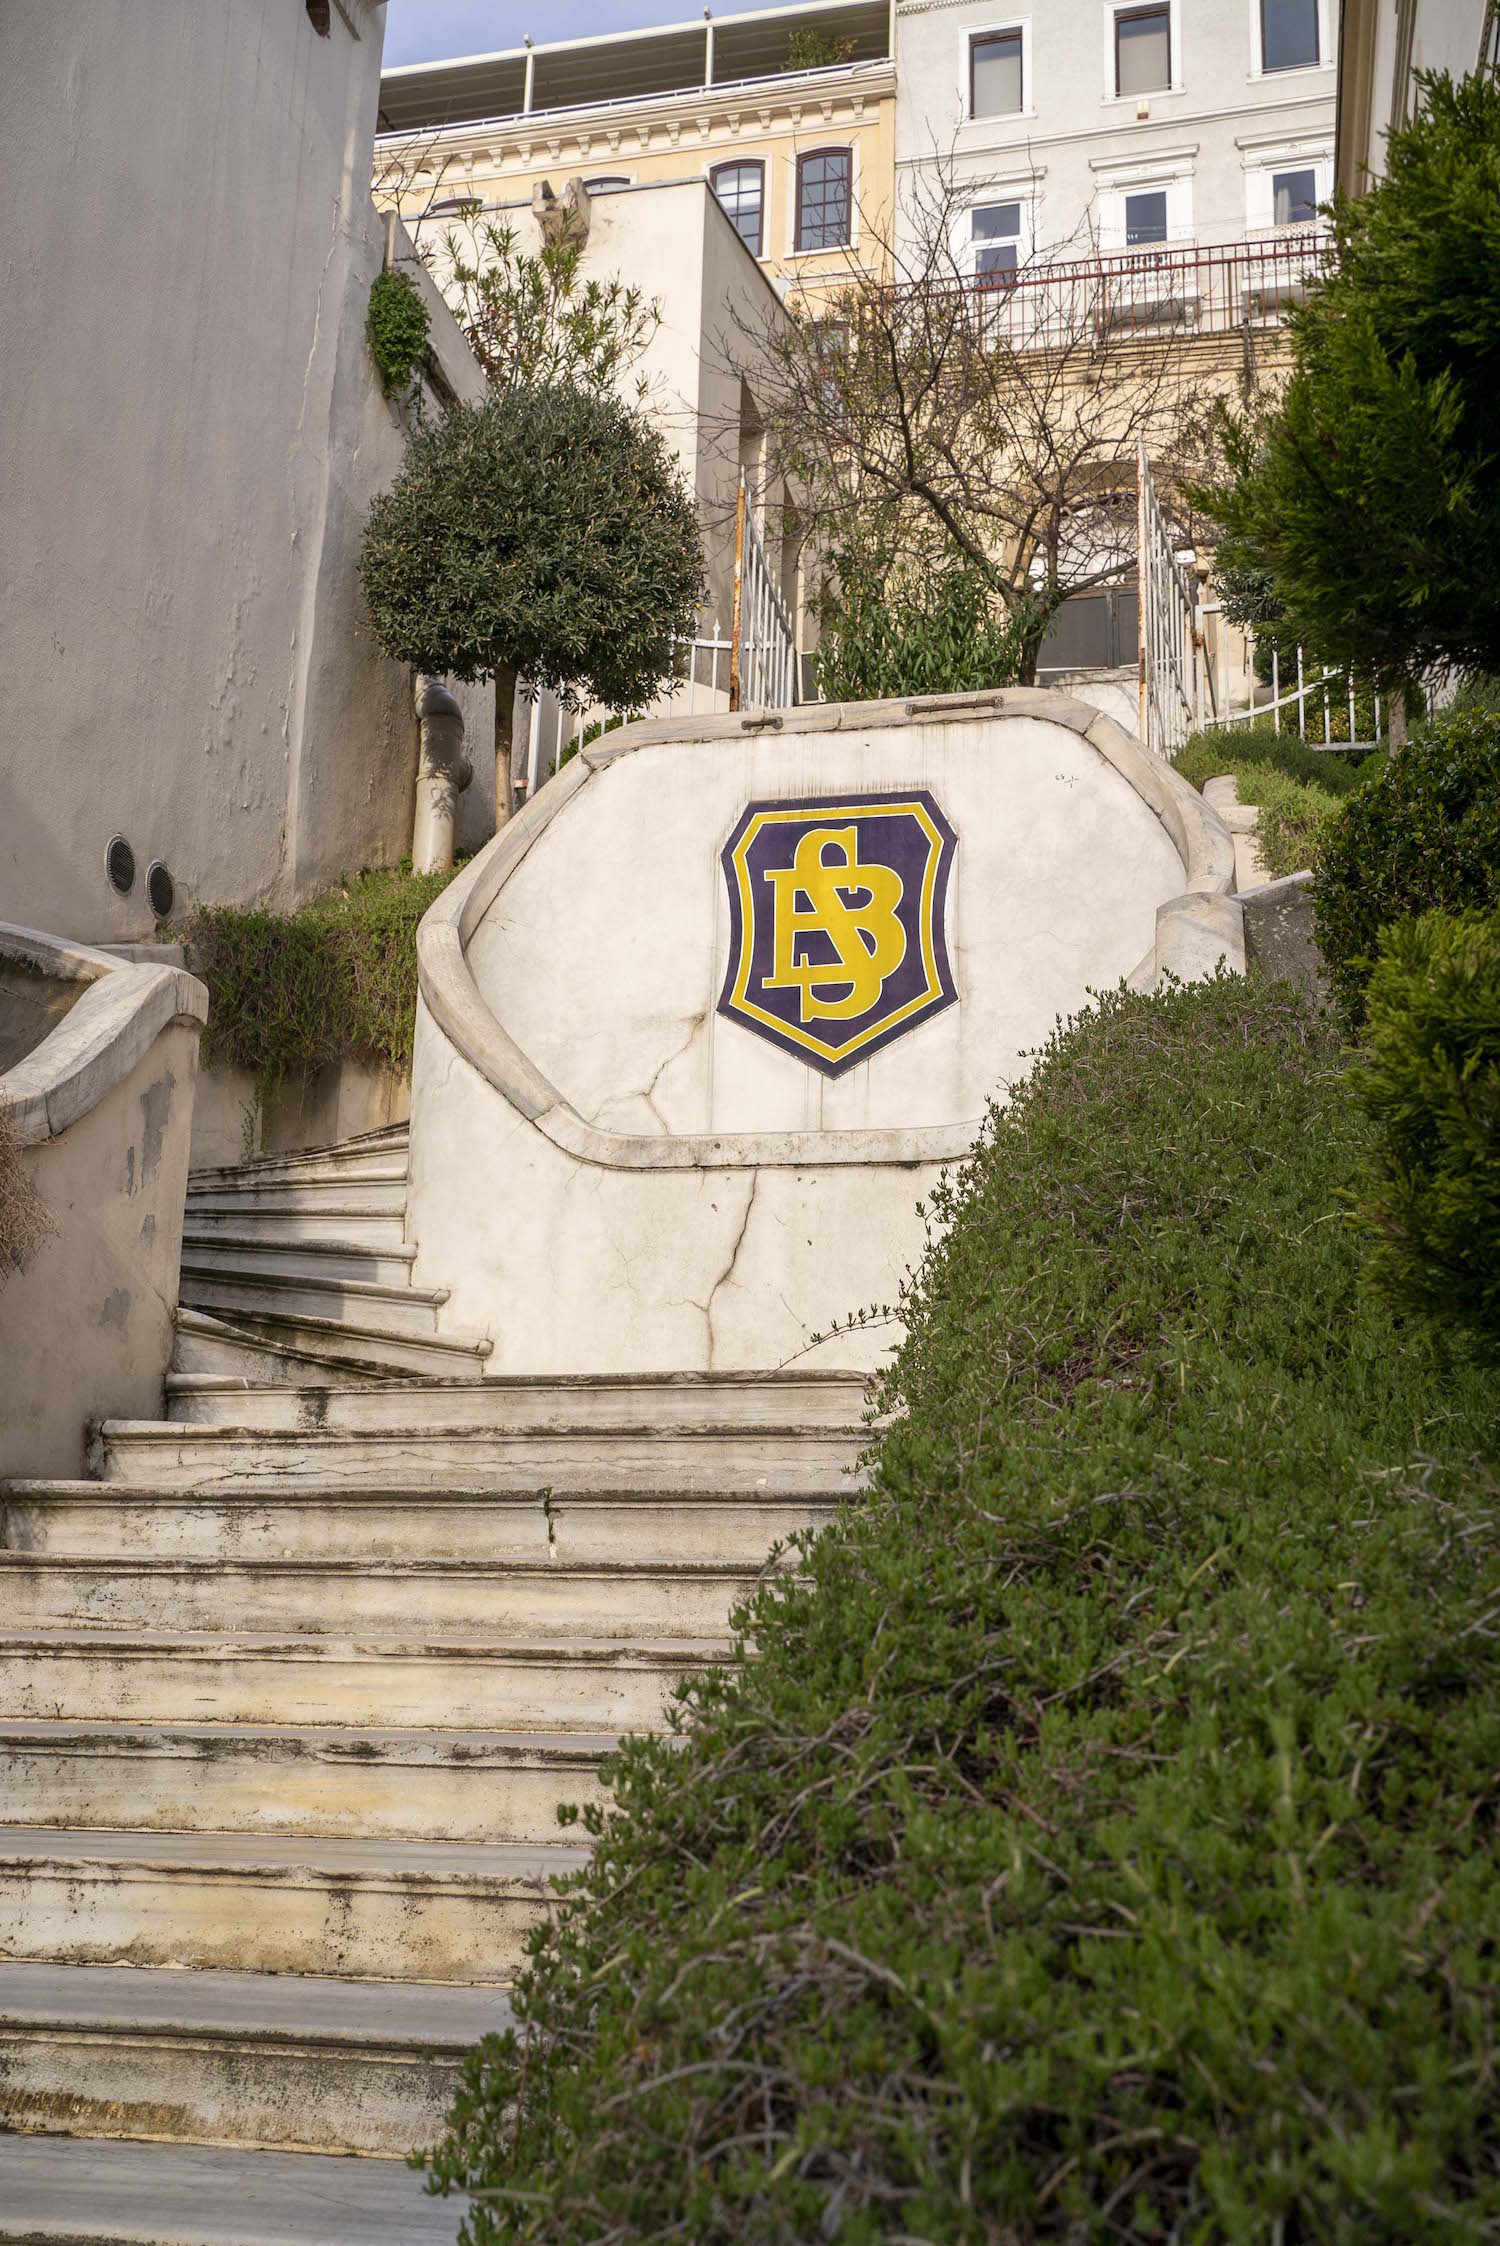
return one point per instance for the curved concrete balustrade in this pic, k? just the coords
(102, 1108)
(609, 1175)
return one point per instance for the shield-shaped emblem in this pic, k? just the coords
(837, 922)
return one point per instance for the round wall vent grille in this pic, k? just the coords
(119, 864)
(159, 889)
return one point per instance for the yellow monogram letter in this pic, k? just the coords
(868, 940)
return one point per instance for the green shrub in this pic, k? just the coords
(396, 329)
(1431, 1084)
(1422, 835)
(1292, 813)
(1100, 1844)
(336, 981)
(1231, 748)
(939, 632)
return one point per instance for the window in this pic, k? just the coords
(1295, 197)
(320, 16)
(1288, 34)
(1143, 50)
(741, 188)
(995, 88)
(995, 239)
(1145, 218)
(824, 199)
(605, 183)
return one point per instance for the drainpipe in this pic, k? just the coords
(530, 78)
(708, 48)
(443, 772)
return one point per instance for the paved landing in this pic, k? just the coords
(77, 2191)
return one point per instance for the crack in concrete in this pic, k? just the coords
(649, 1095)
(728, 1271)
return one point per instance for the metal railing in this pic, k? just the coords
(1147, 294)
(763, 655)
(1330, 690)
(1172, 669)
(556, 731)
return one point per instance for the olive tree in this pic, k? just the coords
(544, 536)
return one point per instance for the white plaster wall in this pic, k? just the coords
(1446, 35)
(1222, 120)
(194, 430)
(86, 1328)
(603, 956)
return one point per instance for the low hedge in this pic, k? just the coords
(1431, 1084)
(336, 981)
(1101, 1843)
(1423, 835)
(1234, 748)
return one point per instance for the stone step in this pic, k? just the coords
(401, 1310)
(285, 1522)
(241, 1255)
(422, 1684)
(244, 2059)
(369, 1154)
(325, 1783)
(375, 1195)
(162, 1454)
(60, 2191)
(288, 1220)
(832, 1402)
(339, 1351)
(382, 1598)
(251, 1903)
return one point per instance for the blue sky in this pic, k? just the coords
(427, 30)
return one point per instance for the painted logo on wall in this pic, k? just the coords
(837, 923)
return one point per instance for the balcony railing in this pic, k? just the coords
(1149, 293)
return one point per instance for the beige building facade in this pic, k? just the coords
(788, 115)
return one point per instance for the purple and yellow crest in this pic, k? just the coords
(837, 922)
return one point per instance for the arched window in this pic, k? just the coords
(825, 199)
(320, 16)
(741, 188)
(606, 183)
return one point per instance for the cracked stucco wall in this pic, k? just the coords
(195, 432)
(86, 1328)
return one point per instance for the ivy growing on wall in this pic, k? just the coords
(396, 328)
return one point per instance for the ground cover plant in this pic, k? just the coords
(1423, 835)
(1101, 1844)
(24, 1222)
(336, 981)
(1432, 1087)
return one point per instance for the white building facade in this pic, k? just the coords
(1112, 127)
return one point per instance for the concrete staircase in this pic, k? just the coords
(289, 1690)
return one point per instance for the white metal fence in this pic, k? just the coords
(1333, 696)
(763, 659)
(1171, 664)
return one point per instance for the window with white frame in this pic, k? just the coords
(1141, 207)
(996, 73)
(995, 243)
(1288, 34)
(1145, 218)
(825, 200)
(741, 188)
(1294, 196)
(1285, 184)
(1143, 50)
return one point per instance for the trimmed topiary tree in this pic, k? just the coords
(1431, 1193)
(1420, 834)
(545, 535)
